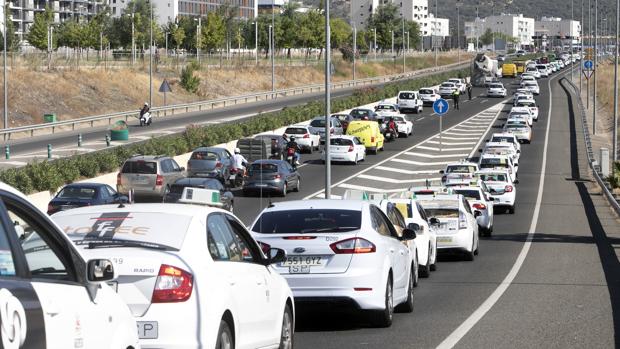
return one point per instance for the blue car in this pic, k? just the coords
(84, 194)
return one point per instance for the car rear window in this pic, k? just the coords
(360, 112)
(308, 221)
(340, 141)
(263, 167)
(460, 169)
(427, 92)
(496, 86)
(77, 193)
(406, 95)
(385, 107)
(204, 155)
(318, 123)
(502, 139)
(116, 227)
(296, 131)
(468, 193)
(493, 177)
(140, 167)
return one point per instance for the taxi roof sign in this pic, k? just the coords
(201, 196)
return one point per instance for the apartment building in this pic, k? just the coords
(514, 25)
(558, 27)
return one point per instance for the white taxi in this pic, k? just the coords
(463, 170)
(404, 126)
(49, 295)
(206, 283)
(496, 89)
(499, 161)
(522, 112)
(477, 195)
(341, 252)
(506, 137)
(502, 189)
(502, 148)
(345, 149)
(531, 104)
(457, 229)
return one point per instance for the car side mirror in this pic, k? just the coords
(414, 226)
(516, 181)
(122, 199)
(408, 234)
(434, 221)
(441, 171)
(486, 140)
(99, 270)
(182, 169)
(275, 255)
(477, 213)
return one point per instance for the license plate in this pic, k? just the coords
(261, 185)
(232, 177)
(147, 329)
(140, 181)
(113, 285)
(302, 261)
(299, 269)
(444, 239)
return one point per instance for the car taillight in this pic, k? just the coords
(331, 131)
(307, 135)
(159, 180)
(479, 206)
(353, 246)
(50, 209)
(263, 246)
(508, 188)
(172, 285)
(372, 139)
(219, 165)
(462, 221)
(118, 179)
(277, 176)
(350, 148)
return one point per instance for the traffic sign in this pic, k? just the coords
(588, 65)
(588, 73)
(441, 106)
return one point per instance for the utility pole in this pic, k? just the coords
(581, 50)
(595, 66)
(458, 29)
(256, 38)
(434, 23)
(151, 57)
(392, 52)
(198, 41)
(273, 46)
(375, 43)
(328, 174)
(354, 50)
(133, 38)
(403, 43)
(6, 88)
(570, 28)
(476, 22)
(273, 78)
(614, 153)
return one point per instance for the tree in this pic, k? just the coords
(213, 31)
(486, 38)
(37, 36)
(340, 33)
(386, 20)
(11, 39)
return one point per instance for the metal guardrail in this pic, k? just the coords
(596, 171)
(90, 121)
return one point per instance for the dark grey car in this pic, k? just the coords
(210, 162)
(272, 176)
(176, 190)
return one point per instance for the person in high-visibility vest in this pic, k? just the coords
(455, 98)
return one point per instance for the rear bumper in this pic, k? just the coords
(142, 192)
(345, 157)
(462, 240)
(265, 186)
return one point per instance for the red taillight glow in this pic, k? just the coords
(350, 148)
(508, 189)
(263, 246)
(353, 246)
(277, 176)
(362, 288)
(372, 139)
(219, 165)
(159, 180)
(172, 285)
(299, 237)
(118, 179)
(479, 206)
(307, 135)
(331, 131)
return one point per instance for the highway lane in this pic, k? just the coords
(452, 293)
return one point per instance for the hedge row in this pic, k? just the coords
(50, 175)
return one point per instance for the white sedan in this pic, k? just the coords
(456, 225)
(206, 284)
(428, 95)
(343, 252)
(404, 126)
(521, 112)
(345, 149)
(531, 86)
(531, 105)
(304, 138)
(502, 189)
(496, 90)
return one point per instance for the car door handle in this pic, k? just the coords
(392, 250)
(232, 282)
(51, 309)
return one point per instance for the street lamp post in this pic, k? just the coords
(198, 39)
(403, 44)
(614, 139)
(570, 29)
(375, 43)
(595, 66)
(354, 50)
(6, 90)
(328, 179)
(151, 56)
(273, 46)
(256, 38)
(133, 39)
(434, 23)
(581, 50)
(408, 47)
(477, 29)
(393, 56)
(458, 30)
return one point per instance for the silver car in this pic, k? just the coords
(317, 126)
(148, 176)
(271, 176)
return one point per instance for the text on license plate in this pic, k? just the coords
(444, 239)
(302, 260)
(147, 329)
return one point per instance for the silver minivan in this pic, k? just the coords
(148, 176)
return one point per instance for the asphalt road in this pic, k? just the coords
(543, 260)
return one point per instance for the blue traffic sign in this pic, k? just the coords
(588, 65)
(441, 106)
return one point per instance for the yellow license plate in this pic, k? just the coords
(444, 239)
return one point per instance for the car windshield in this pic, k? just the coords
(490, 162)
(340, 141)
(77, 193)
(406, 95)
(359, 113)
(140, 167)
(204, 155)
(468, 193)
(308, 221)
(531, 83)
(426, 92)
(385, 107)
(460, 169)
(493, 177)
(526, 104)
(318, 122)
(496, 86)
(263, 167)
(295, 131)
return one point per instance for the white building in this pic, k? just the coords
(168, 10)
(558, 27)
(516, 26)
(435, 26)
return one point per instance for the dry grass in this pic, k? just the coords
(77, 93)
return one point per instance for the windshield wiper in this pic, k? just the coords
(329, 229)
(92, 244)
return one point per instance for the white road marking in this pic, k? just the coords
(420, 119)
(395, 181)
(464, 127)
(455, 138)
(403, 171)
(484, 101)
(444, 149)
(462, 133)
(419, 163)
(370, 189)
(435, 156)
(477, 315)
(450, 143)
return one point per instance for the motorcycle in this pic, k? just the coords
(290, 157)
(145, 119)
(390, 134)
(237, 176)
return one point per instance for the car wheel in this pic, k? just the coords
(284, 189)
(298, 186)
(425, 270)
(355, 161)
(407, 307)
(385, 317)
(311, 149)
(286, 335)
(225, 339)
(511, 210)
(405, 135)
(469, 255)
(166, 192)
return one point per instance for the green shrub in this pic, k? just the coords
(189, 81)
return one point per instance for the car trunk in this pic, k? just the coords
(496, 188)
(309, 253)
(263, 171)
(341, 146)
(203, 162)
(139, 174)
(67, 204)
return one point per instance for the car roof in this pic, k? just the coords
(146, 157)
(268, 161)
(494, 156)
(355, 205)
(342, 136)
(168, 208)
(85, 185)
(462, 163)
(493, 170)
(213, 149)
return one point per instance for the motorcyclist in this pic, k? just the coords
(145, 109)
(292, 144)
(392, 127)
(239, 161)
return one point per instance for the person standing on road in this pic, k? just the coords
(455, 98)
(469, 88)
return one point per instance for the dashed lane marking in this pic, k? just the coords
(403, 171)
(435, 156)
(395, 181)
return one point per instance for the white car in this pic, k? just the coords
(206, 283)
(534, 71)
(521, 112)
(404, 126)
(446, 89)
(499, 162)
(49, 295)
(462, 170)
(501, 148)
(409, 101)
(532, 86)
(344, 252)
(345, 149)
(502, 189)
(542, 68)
(479, 199)
(531, 104)
(304, 138)
(506, 137)
(522, 131)
(521, 96)
(496, 90)
(455, 223)
(460, 84)
(426, 238)
(384, 108)
(428, 95)
(526, 77)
